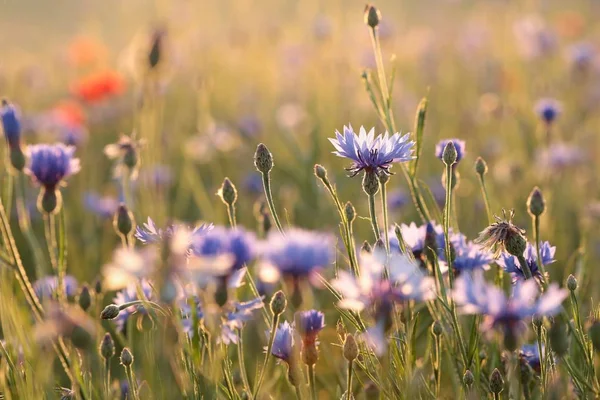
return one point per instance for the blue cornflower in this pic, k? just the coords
(104, 206)
(51, 164)
(11, 124)
(149, 233)
(309, 324)
(475, 296)
(296, 255)
(130, 293)
(559, 156)
(414, 237)
(468, 256)
(372, 154)
(238, 243)
(284, 342)
(530, 353)
(459, 145)
(397, 199)
(46, 287)
(548, 109)
(511, 264)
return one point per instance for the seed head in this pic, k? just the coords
(263, 159)
(350, 212)
(501, 234)
(572, 283)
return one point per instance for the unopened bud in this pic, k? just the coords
(481, 166)
(449, 156)
(350, 212)
(126, 357)
(85, 298)
(320, 172)
(468, 378)
(372, 16)
(536, 205)
(107, 347)
(227, 192)
(350, 348)
(436, 328)
(496, 382)
(263, 159)
(572, 283)
(278, 303)
(111, 311)
(380, 244)
(123, 221)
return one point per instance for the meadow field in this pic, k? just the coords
(322, 199)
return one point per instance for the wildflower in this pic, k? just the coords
(284, 342)
(548, 109)
(502, 235)
(10, 117)
(474, 296)
(150, 233)
(128, 265)
(103, 206)
(468, 256)
(249, 125)
(397, 199)
(50, 165)
(415, 236)
(559, 156)
(253, 183)
(129, 294)
(372, 154)
(530, 353)
(46, 287)
(125, 152)
(99, 86)
(219, 240)
(581, 55)
(511, 264)
(459, 145)
(309, 324)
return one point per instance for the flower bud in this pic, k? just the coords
(496, 382)
(436, 328)
(594, 334)
(154, 55)
(372, 16)
(468, 378)
(278, 303)
(481, 166)
(111, 311)
(263, 159)
(320, 172)
(366, 247)
(350, 212)
(227, 192)
(98, 286)
(559, 339)
(126, 357)
(536, 205)
(85, 298)
(123, 221)
(572, 283)
(107, 347)
(350, 348)
(370, 183)
(449, 156)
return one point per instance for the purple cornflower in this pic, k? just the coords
(530, 353)
(548, 109)
(309, 324)
(559, 156)
(475, 296)
(51, 164)
(131, 294)
(459, 145)
(11, 124)
(238, 243)
(284, 342)
(372, 154)
(298, 254)
(104, 206)
(149, 233)
(414, 238)
(468, 256)
(511, 263)
(46, 287)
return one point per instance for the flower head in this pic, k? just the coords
(459, 145)
(150, 233)
(217, 241)
(309, 324)
(11, 123)
(298, 254)
(495, 237)
(46, 287)
(468, 256)
(530, 353)
(51, 164)
(548, 109)
(370, 153)
(512, 266)
(99, 86)
(284, 342)
(414, 238)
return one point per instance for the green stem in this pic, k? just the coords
(447, 208)
(349, 379)
(536, 236)
(231, 215)
(267, 355)
(486, 199)
(385, 216)
(107, 377)
(313, 386)
(267, 186)
(524, 266)
(243, 373)
(373, 217)
(542, 361)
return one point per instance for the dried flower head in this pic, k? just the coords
(495, 237)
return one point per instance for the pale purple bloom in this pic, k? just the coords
(309, 324)
(46, 287)
(548, 109)
(459, 145)
(51, 164)
(250, 125)
(238, 243)
(560, 156)
(150, 233)
(298, 254)
(284, 342)
(468, 256)
(370, 153)
(512, 266)
(104, 206)
(130, 294)
(530, 353)
(474, 295)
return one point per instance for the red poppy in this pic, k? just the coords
(99, 86)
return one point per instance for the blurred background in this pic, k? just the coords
(230, 74)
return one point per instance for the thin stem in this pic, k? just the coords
(447, 208)
(349, 384)
(486, 199)
(267, 355)
(267, 186)
(385, 216)
(298, 394)
(536, 237)
(107, 377)
(524, 266)
(542, 361)
(243, 373)
(373, 217)
(311, 377)
(49, 240)
(231, 215)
